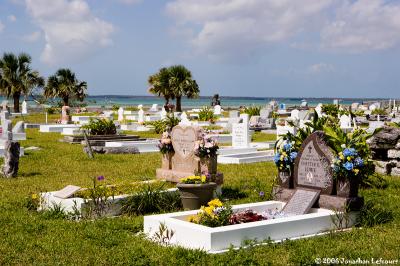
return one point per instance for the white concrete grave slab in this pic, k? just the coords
(220, 239)
(149, 145)
(249, 157)
(56, 127)
(66, 192)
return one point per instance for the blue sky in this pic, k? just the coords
(277, 48)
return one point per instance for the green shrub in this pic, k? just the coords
(164, 125)
(52, 110)
(206, 114)
(131, 108)
(115, 107)
(151, 199)
(379, 111)
(252, 110)
(101, 127)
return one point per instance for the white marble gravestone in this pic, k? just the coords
(184, 120)
(217, 109)
(120, 114)
(141, 116)
(241, 133)
(345, 122)
(163, 113)
(24, 108)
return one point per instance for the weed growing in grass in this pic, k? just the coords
(163, 236)
(373, 213)
(151, 199)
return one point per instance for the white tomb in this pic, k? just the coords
(24, 108)
(345, 123)
(141, 116)
(217, 109)
(120, 114)
(154, 108)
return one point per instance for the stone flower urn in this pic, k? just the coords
(208, 165)
(285, 179)
(348, 187)
(166, 161)
(193, 196)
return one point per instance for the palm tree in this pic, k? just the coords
(159, 85)
(17, 78)
(182, 84)
(173, 83)
(64, 84)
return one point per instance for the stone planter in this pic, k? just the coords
(194, 196)
(285, 179)
(348, 188)
(208, 165)
(166, 161)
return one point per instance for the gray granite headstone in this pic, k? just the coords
(301, 202)
(312, 168)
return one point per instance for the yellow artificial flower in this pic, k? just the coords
(348, 158)
(356, 171)
(193, 219)
(215, 203)
(209, 210)
(341, 156)
(34, 196)
(203, 179)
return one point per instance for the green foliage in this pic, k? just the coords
(379, 111)
(374, 180)
(64, 84)
(152, 199)
(252, 110)
(131, 108)
(55, 212)
(374, 213)
(115, 107)
(100, 127)
(395, 124)
(206, 114)
(333, 110)
(52, 110)
(166, 124)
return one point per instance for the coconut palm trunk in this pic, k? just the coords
(16, 97)
(179, 103)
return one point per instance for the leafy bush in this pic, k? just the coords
(206, 114)
(151, 199)
(131, 108)
(165, 125)
(115, 107)
(252, 110)
(375, 181)
(379, 111)
(101, 127)
(52, 110)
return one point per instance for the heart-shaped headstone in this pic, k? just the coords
(184, 140)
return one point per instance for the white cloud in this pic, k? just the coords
(12, 18)
(363, 25)
(239, 28)
(1, 26)
(320, 68)
(32, 37)
(70, 29)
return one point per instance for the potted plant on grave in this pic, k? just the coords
(167, 150)
(284, 158)
(195, 191)
(352, 162)
(206, 149)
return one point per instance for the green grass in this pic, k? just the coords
(30, 238)
(261, 137)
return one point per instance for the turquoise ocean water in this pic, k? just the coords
(110, 100)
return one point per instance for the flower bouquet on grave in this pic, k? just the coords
(195, 191)
(284, 158)
(206, 149)
(212, 215)
(167, 150)
(348, 168)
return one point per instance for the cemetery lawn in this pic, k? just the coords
(30, 238)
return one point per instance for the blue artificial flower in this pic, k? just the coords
(347, 152)
(277, 157)
(287, 146)
(293, 155)
(348, 165)
(353, 152)
(359, 162)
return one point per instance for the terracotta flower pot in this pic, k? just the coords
(194, 196)
(166, 161)
(208, 165)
